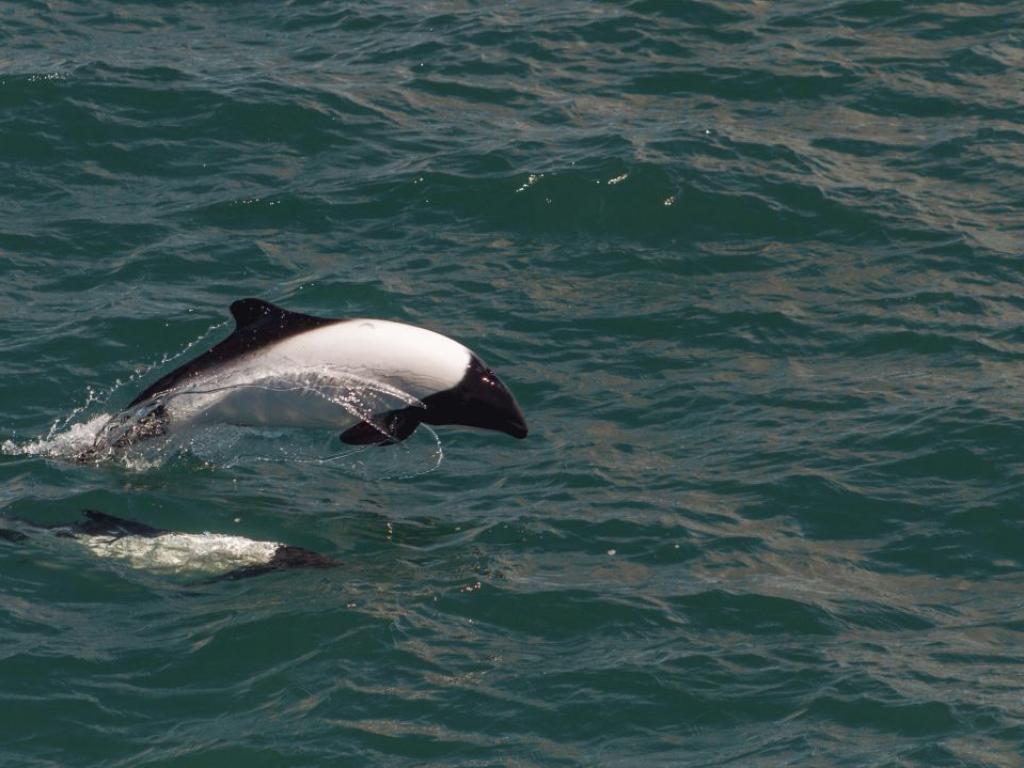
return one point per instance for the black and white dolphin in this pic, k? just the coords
(285, 369)
(216, 556)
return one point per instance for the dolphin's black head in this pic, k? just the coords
(479, 400)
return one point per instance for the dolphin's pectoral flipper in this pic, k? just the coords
(387, 429)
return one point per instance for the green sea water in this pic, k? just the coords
(753, 271)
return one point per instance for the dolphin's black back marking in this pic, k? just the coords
(98, 523)
(95, 523)
(257, 324)
(285, 558)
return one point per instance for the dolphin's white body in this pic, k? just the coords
(329, 377)
(198, 554)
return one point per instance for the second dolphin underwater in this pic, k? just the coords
(279, 369)
(215, 556)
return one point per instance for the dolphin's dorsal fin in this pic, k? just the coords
(249, 311)
(258, 323)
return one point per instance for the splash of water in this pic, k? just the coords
(96, 398)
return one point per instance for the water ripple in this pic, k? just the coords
(753, 270)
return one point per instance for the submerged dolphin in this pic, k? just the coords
(285, 369)
(215, 555)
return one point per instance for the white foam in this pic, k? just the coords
(71, 442)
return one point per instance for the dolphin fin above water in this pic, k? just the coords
(257, 324)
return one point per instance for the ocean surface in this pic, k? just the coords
(753, 271)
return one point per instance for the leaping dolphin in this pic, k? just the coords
(286, 369)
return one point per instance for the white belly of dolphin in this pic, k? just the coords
(257, 401)
(193, 553)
